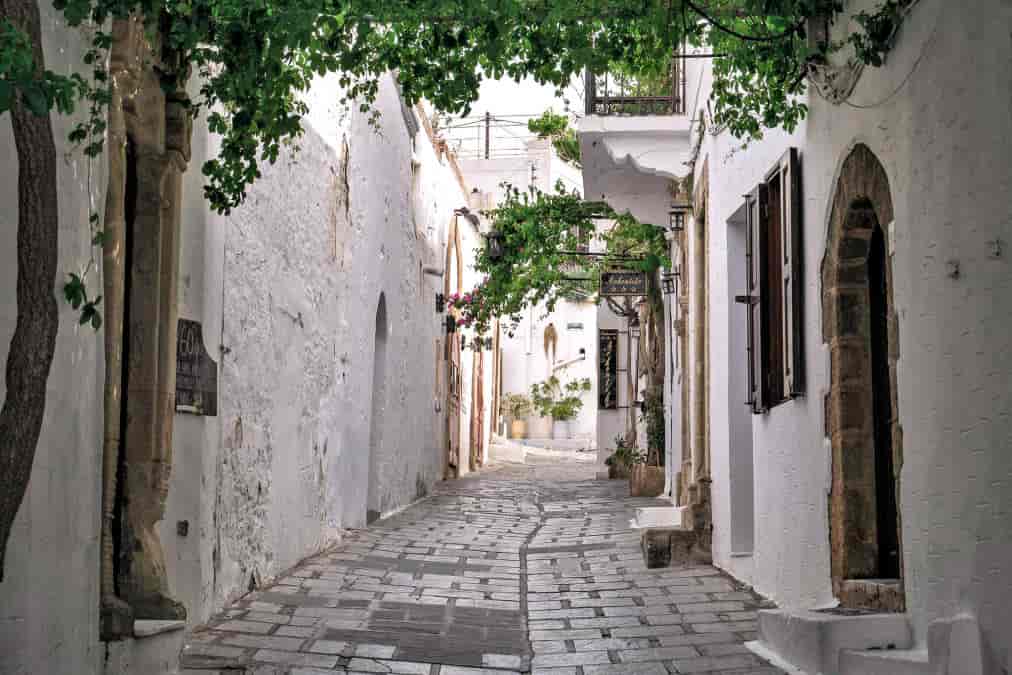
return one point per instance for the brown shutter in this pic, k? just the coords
(755, 279)
(793, 282)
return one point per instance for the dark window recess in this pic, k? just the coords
(607, 369)
(773, 297)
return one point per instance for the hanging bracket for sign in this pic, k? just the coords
(623, 283)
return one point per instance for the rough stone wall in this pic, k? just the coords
(49, 595)
(299, 269)
(932, 117)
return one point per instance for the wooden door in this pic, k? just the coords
(477, 454)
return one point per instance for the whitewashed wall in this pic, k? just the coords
(289, 285)
(524, 360)
(49, 594)
(938, 118)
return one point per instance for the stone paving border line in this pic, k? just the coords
(519, 569)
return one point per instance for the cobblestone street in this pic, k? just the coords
(521, 568)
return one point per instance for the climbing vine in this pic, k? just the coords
(544, 241)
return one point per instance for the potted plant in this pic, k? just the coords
(560, 402)
(517, 407)
(623, 458)
(647, 478)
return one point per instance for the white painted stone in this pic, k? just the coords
(812, 641)
(882, 662)
(936, 116)
(49, 594)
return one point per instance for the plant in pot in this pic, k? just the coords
(623, 458)
(560, 402)
(647, 478)
(517, 407)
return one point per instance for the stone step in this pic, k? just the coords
(153, 650)
(663, 516)
(812, 640)
(885, 662)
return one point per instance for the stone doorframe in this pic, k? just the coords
(453, 282)
(861, 202)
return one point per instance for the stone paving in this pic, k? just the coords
(522, 568)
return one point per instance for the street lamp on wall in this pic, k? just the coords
(669, 281)
(494, 245)
(676, 217)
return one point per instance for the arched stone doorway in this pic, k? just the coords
(861, 329)
(374, 505)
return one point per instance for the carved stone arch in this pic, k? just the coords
(453, 282)
(454, 260)
(860, 327)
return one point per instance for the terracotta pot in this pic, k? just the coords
(518, 429)
(646, 481)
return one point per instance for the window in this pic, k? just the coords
(774, 286)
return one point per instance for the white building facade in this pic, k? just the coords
(852, 434)
(315, 301)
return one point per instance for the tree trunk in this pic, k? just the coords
(34, 341)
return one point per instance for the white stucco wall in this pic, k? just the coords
(525, 362)
(937, 117)
(288, 286)
(524, 359)
(49, 594)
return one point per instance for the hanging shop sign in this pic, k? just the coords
(623, 283)
(196, 372)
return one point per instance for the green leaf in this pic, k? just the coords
(6, 95)
(35, 99)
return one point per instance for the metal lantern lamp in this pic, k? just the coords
(676, 217)
(494, 245)
(451, 324)
(669, 281)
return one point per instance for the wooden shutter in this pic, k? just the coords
(793, 281)
(755, 280)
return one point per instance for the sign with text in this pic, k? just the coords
(623, 283)
(196, 372)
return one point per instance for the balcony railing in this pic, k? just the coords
(620, 94)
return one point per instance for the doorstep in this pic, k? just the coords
(811, 641)
(153, 650)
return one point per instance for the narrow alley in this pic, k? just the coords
(520, 568)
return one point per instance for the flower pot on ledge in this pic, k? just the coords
(618, 471)
(518, 428)
(646, 481)
(562, 430)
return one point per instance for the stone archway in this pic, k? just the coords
(861, 329)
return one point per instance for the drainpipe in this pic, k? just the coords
(566, 364)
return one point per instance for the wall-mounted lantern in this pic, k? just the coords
(494, 245)
(669, 281)
(676, 217)
(451, 324)
(440, 303)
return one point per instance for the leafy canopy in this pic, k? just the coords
(254, 58)
(544, 241)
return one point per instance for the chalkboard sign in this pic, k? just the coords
(196, 372)
(607, 369)
(623, 283)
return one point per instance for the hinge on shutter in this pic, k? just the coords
(747, 299)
